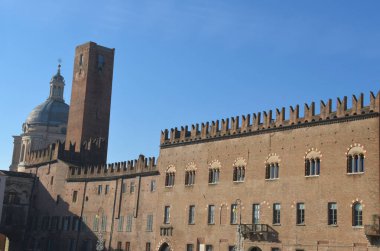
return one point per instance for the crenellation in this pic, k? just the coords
(341, 107)
(245, 123)
(374, 102)
(325, 109)
(232, 126)
(225, 126)
(294, 114)
(256, 120)
(309, 112)
(138, 166)
(267, 117)
(183, 133)
(204, 129)
(357, 104)
(214, 128)
(280, 116)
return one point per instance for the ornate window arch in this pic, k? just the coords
(190, 174)
(170, 176)
(272, 166)
(313, 162)
(355, 158)
(214, 171)
(239, 169)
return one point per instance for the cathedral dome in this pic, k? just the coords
(54, 111)
(50, 112)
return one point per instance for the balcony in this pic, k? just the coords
(166, 230)
(259, 232)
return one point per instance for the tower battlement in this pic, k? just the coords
(46, 155)
(138, 167)
(88, 154)
(257, 122)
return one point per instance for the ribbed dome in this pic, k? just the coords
(49, 112)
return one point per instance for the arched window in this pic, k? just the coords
(213, 172)
(357, 214)
(313, 163)
(190, 174)
(170, 176)
(355, 159)
(239, 170)
(272, 167)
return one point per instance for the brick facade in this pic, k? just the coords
(211, 167)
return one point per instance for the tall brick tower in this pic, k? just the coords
(91, 97)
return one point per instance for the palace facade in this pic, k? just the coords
(263, 181)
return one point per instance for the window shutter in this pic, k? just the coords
(267, 171)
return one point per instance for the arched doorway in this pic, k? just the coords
(164, 247)
(255, 249)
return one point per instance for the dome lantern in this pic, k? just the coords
(57, 84)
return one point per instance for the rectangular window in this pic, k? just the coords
(127, 246)
(132, 187)
(119, 246)
(104, 223)
(275, 249)
(300, 213)
(84, 224)
(276, 213)
(234, 212)
(189, 247)
(147, 246)
(149, 223)
(209, 248)
(107, 190)
(75, 225)
(120, 224)
(75, 196)
(123, 187)
(100, 188)
(211, 215)
(332, 213)
(66, 223)
(129, 223)
(167, 215)
(153, 185)
(256, 213)
(231, 248)
(191, 214)
(95, 225)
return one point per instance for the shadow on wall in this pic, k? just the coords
(33, 220)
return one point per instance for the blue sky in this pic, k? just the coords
(184, 62)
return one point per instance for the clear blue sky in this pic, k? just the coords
(183, 62)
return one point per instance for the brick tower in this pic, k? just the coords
(91, 97)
